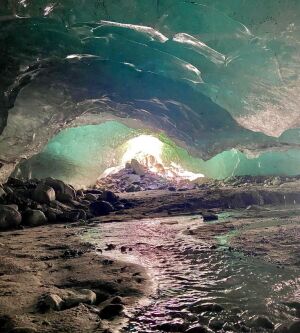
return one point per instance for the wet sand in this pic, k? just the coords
(54, 258)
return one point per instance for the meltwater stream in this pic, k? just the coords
(186, 271)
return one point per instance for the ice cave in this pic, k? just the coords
(149, 166)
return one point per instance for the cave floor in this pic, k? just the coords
(57, 259)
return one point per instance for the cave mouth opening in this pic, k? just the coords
(89, 154)
(146, 154)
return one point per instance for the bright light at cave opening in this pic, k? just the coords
(148, 150)
(143, 147)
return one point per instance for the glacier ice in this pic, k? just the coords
(212, 75)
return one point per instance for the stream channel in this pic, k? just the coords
(187, 272)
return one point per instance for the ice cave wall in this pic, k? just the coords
(213, 75)
(80, 155)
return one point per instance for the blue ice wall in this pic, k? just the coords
(79, 155)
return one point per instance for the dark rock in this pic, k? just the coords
(133, 188)
(79, 193)
(91, 197)
(110, 311)
(3, 194)
(50, 302)
(52, 214)
(117, 300)
(109, 196)
(99, 208)
(281, 328)
(82, 296)
(72, 253)
(110, 247)
(6, 323)
(172, 188)
(207, 216)
(262, 322)
(61, 188)
(34, 218)
(216, 324)
(197, 329)
(173, 327)
(44, 194)
(294, 327)
(72, 215)
(9, 217)
(15, 182)
(210, 307)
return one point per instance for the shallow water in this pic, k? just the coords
(185, 270)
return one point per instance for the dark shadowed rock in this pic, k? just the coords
(91, 197)
(51, 302)
(281, 328)
(72, 215)
(109, 196)
(173, 327)
(294, 327)
(34, 218)
(81, 296)
(216, 324)
(262, 322)
(99, 208)
(63, 191)
(2, 193)
(110, 311)
(9, 217)
(208, 216)
(210, 307)
(43, 194)
(197, 329)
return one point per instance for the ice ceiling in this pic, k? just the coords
(213, 75)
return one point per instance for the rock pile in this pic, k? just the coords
(34, 203)
(137, 177)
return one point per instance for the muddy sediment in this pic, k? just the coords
(259, 221)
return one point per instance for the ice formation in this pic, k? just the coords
(212, 75)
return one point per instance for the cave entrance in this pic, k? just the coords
(146, 166)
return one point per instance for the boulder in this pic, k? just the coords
(294, 327)
(82, 296)
(34, 218)
(9, 217)
(208, 216)
(262, 322)
(72, 215)
(281, 328)
(99, 208)
(51, 302)
(109, 196)
(43, 194)
(110, 311)
(137, 167)
(216, 324)
(91, 197)
(64, 192)
(52, 214)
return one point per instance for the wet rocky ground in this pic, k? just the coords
(55, 279)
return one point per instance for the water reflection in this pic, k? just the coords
(186, 270)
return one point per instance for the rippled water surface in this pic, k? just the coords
(186, 270)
